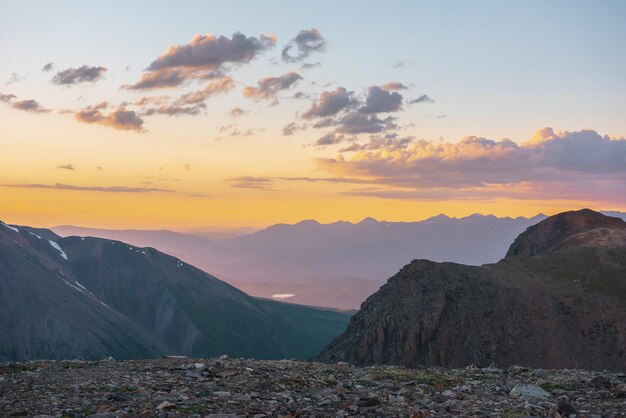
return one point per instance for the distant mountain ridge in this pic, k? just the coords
(338, 264)
(90, 298)
(558, 300)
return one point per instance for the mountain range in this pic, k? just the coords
(90, 298)
(556, 300)
(335, 265)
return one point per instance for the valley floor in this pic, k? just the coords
(227, 387)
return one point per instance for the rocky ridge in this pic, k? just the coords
(558, 300)
(225, 387)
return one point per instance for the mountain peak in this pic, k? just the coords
(581, 228)
(368, 221)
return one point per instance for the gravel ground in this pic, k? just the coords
(224, 387)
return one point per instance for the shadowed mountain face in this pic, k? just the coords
(90, 298)
(336, 265)
(560, 303)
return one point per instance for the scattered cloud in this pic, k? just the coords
(394, 86)
(107, 189)
(48, 67)
(235, 132)
(29, 105)
(268, 87)
(359, 123)
(237, 111)
(205, 57)
(380, 100)
(82, 74)
(306, 42)
(399, 64)
(152, 100)
(16, 78)
(422, 99)
(328, 180)
(6, 98)
(330, 138)
(173, 110)
(250, 182)
(69, 167)
(549, 166)
(310, 65)
(157, 80)
(291, 128)
(389, 142)
(119, 118)
(220, 85)
(330, 103)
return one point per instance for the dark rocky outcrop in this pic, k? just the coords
(583, 228)
(91, 298)
(558, 300)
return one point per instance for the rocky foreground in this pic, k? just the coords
(224, 387)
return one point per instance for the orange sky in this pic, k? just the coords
(336, 122)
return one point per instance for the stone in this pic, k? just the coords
(164, 388)
(165, 405)
(528, 391)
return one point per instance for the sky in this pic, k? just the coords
(153, 114)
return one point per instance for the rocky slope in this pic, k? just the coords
(558, 300)
(92, 298)
(574, 229)
(229, 388)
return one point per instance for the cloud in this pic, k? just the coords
(399, 64)
(235, 132)
(250, 182)
(330, 103)
(388, 141)
(205, 57)
(359, 123)
(328, 180)
(236, 112)
(561, 165)
(120, 118)
(6, 98)
(173, 110)
(66, 167)
(157, 80)
(330, 139)
(381, 101)
(393, 86)
(83, 74)
(29, 105)
(152, 100)
(268, 87)
(310, 65)
(15, 78)
(99, 168)
(422, 99)
(306, 42)
(291, 128)
(107, 189)
(221, 85)
(187, 167)
(48, 67)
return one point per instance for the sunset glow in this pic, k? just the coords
(133, 117)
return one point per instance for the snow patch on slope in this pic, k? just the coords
(11, 227)
(58, 248)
